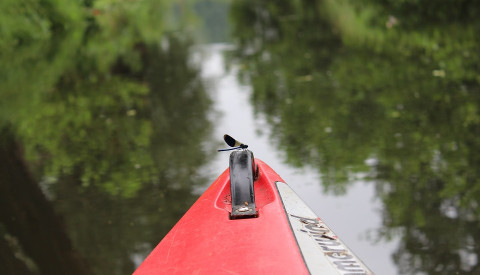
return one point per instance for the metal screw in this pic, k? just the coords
(243, 209)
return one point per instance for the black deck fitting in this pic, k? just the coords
(242, 176)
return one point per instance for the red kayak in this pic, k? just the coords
(249, 221)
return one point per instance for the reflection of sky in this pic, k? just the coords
(350, 216)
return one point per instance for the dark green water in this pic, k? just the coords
(106, 123)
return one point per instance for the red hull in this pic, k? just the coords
(207, 241)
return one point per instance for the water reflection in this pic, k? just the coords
(33, 237)
(103, 109)
(379, 88)
(107, 113)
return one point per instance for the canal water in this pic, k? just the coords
(354, 216)
(111, 113)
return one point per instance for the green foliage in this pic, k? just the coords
(120, 25)
(390, 83)
(26, 22)
(105, 104)
(71, 112)
(92, 129)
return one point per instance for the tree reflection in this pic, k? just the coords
(162, 171)
(112, 119)
(33, 239)
(375, 87)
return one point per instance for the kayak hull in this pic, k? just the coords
(207, 241)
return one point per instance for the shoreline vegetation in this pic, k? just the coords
(92, 94)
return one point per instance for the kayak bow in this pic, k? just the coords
(249, 221)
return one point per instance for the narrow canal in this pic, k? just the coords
(111, 113)
(354, 216)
